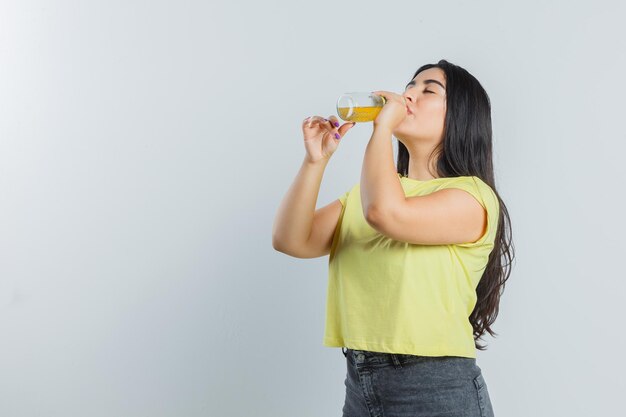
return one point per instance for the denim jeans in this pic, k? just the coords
(399, 385)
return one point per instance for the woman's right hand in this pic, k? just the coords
(320, 141)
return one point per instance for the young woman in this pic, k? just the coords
(415, 249)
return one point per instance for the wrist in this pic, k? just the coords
(382, 129)
(319, 162)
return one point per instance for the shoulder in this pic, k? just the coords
(477, 187)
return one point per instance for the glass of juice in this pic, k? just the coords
(359, 107)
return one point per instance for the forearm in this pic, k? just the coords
(294, 219)
(380, 187)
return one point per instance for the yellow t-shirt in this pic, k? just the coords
(390, 296)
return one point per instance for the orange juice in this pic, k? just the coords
(359, 114)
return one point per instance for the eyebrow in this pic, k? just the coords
(425, 82)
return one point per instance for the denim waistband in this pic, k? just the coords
(365, 357)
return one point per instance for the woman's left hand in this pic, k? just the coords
(393, 112)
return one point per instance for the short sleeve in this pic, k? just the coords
(486, 197)
(343, 198)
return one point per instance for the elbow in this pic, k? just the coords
(286, 249)
(379, 218)
(289, 251)
(276, 244)
(374, 216)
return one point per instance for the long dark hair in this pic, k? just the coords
(466, 150)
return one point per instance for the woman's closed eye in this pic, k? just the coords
(427, 91)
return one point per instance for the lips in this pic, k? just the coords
(408, 110)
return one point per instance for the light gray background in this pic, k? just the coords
(145, 147)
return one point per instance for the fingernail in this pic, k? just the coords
(336, 124)
(337, 135)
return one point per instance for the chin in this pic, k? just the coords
(408, 134)
(402, 135)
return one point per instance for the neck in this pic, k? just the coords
(419, 168)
